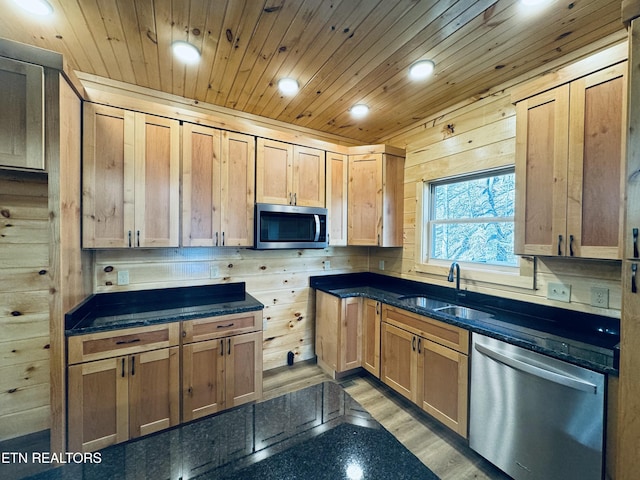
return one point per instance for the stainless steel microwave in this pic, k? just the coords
(290, 226)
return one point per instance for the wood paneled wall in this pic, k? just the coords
(277, 278)
(473, 137)
(24, 305)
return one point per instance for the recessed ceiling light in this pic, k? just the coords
(288, 86)
(421, 69)
(37, 7)
(360, 110)
(186, 52)
(531, 3)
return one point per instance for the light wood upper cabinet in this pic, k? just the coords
(569, 168)
(21, 115)
(218, 176)
(338, 332)
(337, 184)
(130, 179)
(289, 174)
(376, 189)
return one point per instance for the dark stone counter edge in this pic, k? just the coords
(387, 289)
(113, 311)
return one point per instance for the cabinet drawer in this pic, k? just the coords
(96, 346)
(435, 330)
(220, 326)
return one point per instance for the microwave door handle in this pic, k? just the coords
(317, 219)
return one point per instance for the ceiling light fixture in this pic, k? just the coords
(531, 3)
(359, 111)
(288, 86)
(36, 7)
(421, 69)
(186, 52)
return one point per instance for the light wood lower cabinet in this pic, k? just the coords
(338, 333)
(371, 318)
(222, 370)
(119, 398)
(427, 361)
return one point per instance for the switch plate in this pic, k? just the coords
(559, 291)
(213, 271)
(123, 277)
(600, 297)
(326, 265)
(381, 265)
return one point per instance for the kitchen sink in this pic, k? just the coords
(422, 301)
(463, 312)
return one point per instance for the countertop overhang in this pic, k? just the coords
(581, 338)
(112, 311)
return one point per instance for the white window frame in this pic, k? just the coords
(521, 276)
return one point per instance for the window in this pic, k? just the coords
(470, 219)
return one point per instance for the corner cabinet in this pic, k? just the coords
(289, 174)
(570, 151)
(376, 200)
(338, 333)
(130, 182)
(218, 192)
(221, 363)
(122, 384)
(427, 362)
(21, 115)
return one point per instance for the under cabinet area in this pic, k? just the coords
(131, 184)
(218, 194)
(427, 361)
(289, 174)
(122, 384)
(221, 364)
(570, 152)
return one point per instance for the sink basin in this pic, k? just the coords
(422, 301)
(463, 312)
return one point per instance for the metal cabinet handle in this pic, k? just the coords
(634, 285)
(571, 245)
(419, 345)
(129, 238)
(223, 239)
(124, 342)
(290, 199)
(138, 238)
(221, 348)
(295, 199)
(133, 366)
(413, 343)
(635, 243)
(377, 308)
(225, 326)
(559, 244)
(123, 368)
(229, 347)
(378, 239)
(216, 239)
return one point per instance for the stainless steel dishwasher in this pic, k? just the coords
(533, 416)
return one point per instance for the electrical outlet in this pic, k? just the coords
(600, 297)
(381, 265)
(559, 291)
(213, 271)
(123, 277)
(326, 265)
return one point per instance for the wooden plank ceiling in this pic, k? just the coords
(341, 51)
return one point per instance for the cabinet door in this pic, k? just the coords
(328, 313)
(365, 199)
(98, 404)
(274, 170)
(243, 365)
(336, 198)
(399, 360)
(154, 391)
(443, 378)
(596, 155)
(21, 115)
(237, 174)
(350, 334)
(157, 182)
(542, 125)
(202, 378)
(308, 177)
(371, 315)
(201, 187)
(107, 177)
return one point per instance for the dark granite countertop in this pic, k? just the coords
(112, 311)
(583, 339)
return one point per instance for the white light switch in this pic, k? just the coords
(123, 277)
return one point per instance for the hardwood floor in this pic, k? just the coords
(443, 451)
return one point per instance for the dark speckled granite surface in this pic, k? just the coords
(110, 311)
(583, 339)
(318, 433)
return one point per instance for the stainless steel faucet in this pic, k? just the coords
(457, 275)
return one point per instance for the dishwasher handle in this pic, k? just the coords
(537, 371)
